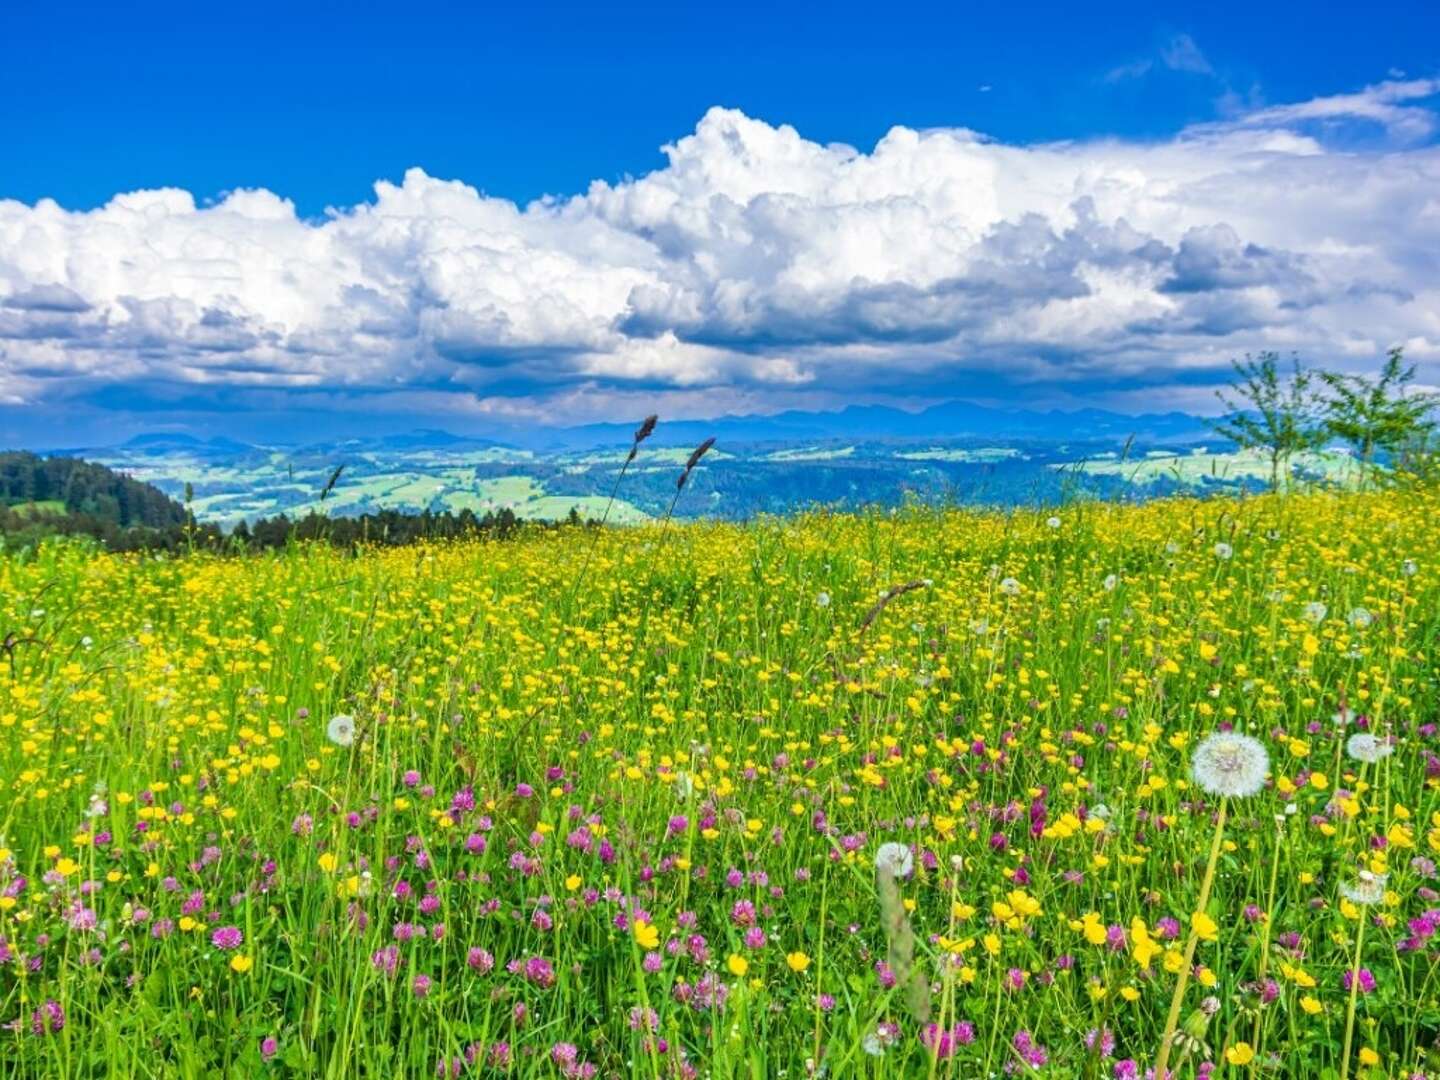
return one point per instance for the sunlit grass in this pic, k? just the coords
(633, 828)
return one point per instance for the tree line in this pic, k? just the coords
(386, 528)
(34, 485)
(1281, 413)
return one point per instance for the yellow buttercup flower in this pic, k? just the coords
(1242, 1053)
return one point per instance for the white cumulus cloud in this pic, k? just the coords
(760, 266)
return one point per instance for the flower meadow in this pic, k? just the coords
(1079, 793)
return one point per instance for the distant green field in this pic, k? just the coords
(734, 482)
(980, 455)
(811, 453)
(660, 455)
(1197, 469)
(42, 506)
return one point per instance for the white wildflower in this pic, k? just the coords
(684, 786)
(341, 730)
(1368, 889)
(1230, 764)
(1365, 747)
(895, 859)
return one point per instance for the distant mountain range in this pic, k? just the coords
(950, 420)
(860, 455)
(865, 423)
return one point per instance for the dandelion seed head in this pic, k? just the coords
(894, 859)
(1365, 747)
(1230, 764)
(341, 730)
(684, 786)
(1366, 889)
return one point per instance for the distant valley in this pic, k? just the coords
(764, 464)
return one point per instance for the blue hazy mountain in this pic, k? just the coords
(956, 419)
(861, 455)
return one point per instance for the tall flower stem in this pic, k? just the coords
(1162, 1058)
(1354, 993)
(1257, 1040)
(595, 537)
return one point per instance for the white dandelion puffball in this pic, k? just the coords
(1223, 550)
(1315, 612)
(1111, 580)
(1009, 586)
(1367, 748)
(894, 859)
(1409, 567)
(822, 599)
(1052, 522)
(1369, 889)
(1172, 548)
(1360, 618)
(341, 730)
(1230, 764)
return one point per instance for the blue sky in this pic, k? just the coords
(316, 102)
(1084, 204)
